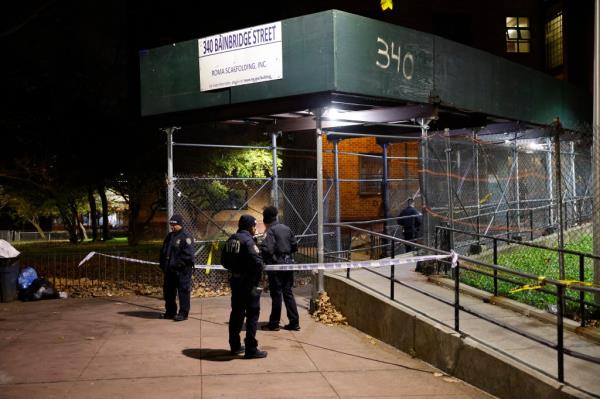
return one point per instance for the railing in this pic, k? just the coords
(560, 287)
(560, 251)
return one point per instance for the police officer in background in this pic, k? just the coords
(177, 263)
(410, 220)
(241, 257)
(277, 248)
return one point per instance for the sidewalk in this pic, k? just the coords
(118, 348)
(579, 373)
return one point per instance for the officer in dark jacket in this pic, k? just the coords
(277, 248)
(241, 257)
(177, 263)
(410, 220)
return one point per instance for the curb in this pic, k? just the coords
(526, 310)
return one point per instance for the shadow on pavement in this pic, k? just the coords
(215, 355)
(144, 314)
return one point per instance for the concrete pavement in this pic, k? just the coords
(118, 348)
(501, 355)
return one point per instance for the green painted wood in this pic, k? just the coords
(334, 51)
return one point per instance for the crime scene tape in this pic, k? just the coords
(305, 266)
(542, 282)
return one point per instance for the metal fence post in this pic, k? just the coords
(531, 224)
(495, 270)
(456, 298)
(582, 293)
(559, 331)
(392, 272)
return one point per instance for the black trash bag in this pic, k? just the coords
(39, 289)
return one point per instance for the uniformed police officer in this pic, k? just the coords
(410, 220)
(177, 263)
(241, 257)
(277, 248)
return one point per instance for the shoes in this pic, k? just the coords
(256, 354)
(180, 317)
(291, 327)
(270, 327)
(238, 351)
(166, 316)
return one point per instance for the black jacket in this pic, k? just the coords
(410, 224)
(177, 251)
(278, 243)
(243, 260)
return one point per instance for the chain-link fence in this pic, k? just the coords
(514, 185)
(510, 186)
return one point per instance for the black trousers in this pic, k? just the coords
(280, 286)
(177, 283)
(409, 235)
(243, 305)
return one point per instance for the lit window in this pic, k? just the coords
(518, 35)
(554, 42)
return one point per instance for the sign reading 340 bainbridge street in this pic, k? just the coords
(241, 57)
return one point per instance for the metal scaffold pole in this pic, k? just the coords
(275, 194)
(384, 192)
(559, 200)
(424, 181)
(320, 241)
(336, 182)
(170, 180)
(596, 145)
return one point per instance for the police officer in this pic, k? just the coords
(277, 248)
(177, 263)
(410, 220)
(241, 257)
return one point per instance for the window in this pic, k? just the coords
(371, 167)
(518, 35)
(554, 42)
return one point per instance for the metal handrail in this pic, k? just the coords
(560, 286)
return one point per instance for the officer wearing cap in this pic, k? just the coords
(277, 248)
(177, 263)
(241, 257)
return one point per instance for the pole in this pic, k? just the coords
(550, 181)
(336, 182)
(517, 191)
(573, 185)
(424, 182)
(384, 193)
(449, 182)
(560, 198)
(596, 145)
(477, 188)
(320, 243)
(275, 191)
(170, 182)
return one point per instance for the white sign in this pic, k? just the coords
(241, 57)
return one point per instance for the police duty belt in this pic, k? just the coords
(306, 266)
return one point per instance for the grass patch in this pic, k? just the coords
(539, 262)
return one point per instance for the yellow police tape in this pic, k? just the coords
(214, 247)
(541, 280)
